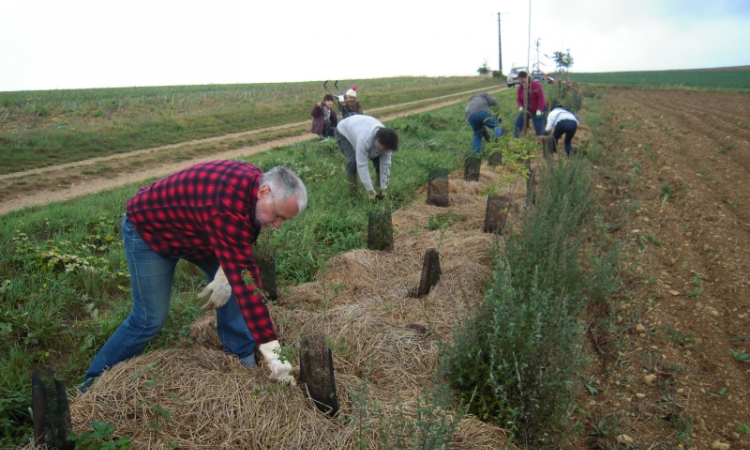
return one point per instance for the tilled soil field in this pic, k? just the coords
(675, 187)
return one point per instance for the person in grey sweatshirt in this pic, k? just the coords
(362, 139)
(480, 118)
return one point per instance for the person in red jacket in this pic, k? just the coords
(536, 105)
(209, 214)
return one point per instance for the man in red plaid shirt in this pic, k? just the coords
(209, 214)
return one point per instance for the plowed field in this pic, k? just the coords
(675, 185)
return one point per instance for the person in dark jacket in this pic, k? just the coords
(480, 118)
(209, 214)
(536, 105)
(350, 106)
(324, 118)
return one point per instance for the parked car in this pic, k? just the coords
(513, 75)
(537, 75)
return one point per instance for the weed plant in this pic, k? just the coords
(427, 425)
(514, 361)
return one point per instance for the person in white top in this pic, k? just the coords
(362, 139)
(563, 122)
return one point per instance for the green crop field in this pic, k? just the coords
(43, 128)
(729, 78)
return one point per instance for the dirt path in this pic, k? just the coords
(66, 181)
(678, 195)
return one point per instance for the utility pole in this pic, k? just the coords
(537, 53)
(526, 87)
(499, 46)
(528, 48)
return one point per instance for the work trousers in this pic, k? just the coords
(151, 276)
(347, 149)
(538, 123)
(568, 128)
(478, 121)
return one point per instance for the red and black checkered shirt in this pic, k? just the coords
(204, 210)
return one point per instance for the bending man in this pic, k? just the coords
(479, 117)
(209, 214)
(362, 139)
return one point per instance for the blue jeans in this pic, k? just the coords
(568, 128)
(478, 121)
(537, 122)
(151, 276)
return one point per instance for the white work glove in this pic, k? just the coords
(538, 114)
(372, 195)
(219, 289)
(520, 109)
(280, 371)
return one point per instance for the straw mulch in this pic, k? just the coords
(361, 303)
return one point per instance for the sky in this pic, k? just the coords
(76, 44)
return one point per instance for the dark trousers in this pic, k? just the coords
(568, 128)
(328, 130)
(347, 149)
(536, 122)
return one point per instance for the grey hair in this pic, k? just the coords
(286, 184)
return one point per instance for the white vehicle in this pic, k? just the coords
(513, 75)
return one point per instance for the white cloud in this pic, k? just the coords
(47, 44)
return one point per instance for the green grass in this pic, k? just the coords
(65, 287)
(702, 79)
(42, 128)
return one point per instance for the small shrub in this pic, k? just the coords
(100, 438)
(740, 356)
(520, 350)
(444, 220)
(429, 425)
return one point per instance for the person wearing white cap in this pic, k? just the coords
(350, 106)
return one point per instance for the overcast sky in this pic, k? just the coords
(70, 44)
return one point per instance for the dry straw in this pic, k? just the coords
(361, 303)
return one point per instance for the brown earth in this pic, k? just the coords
(66, 181)
(667, 378)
